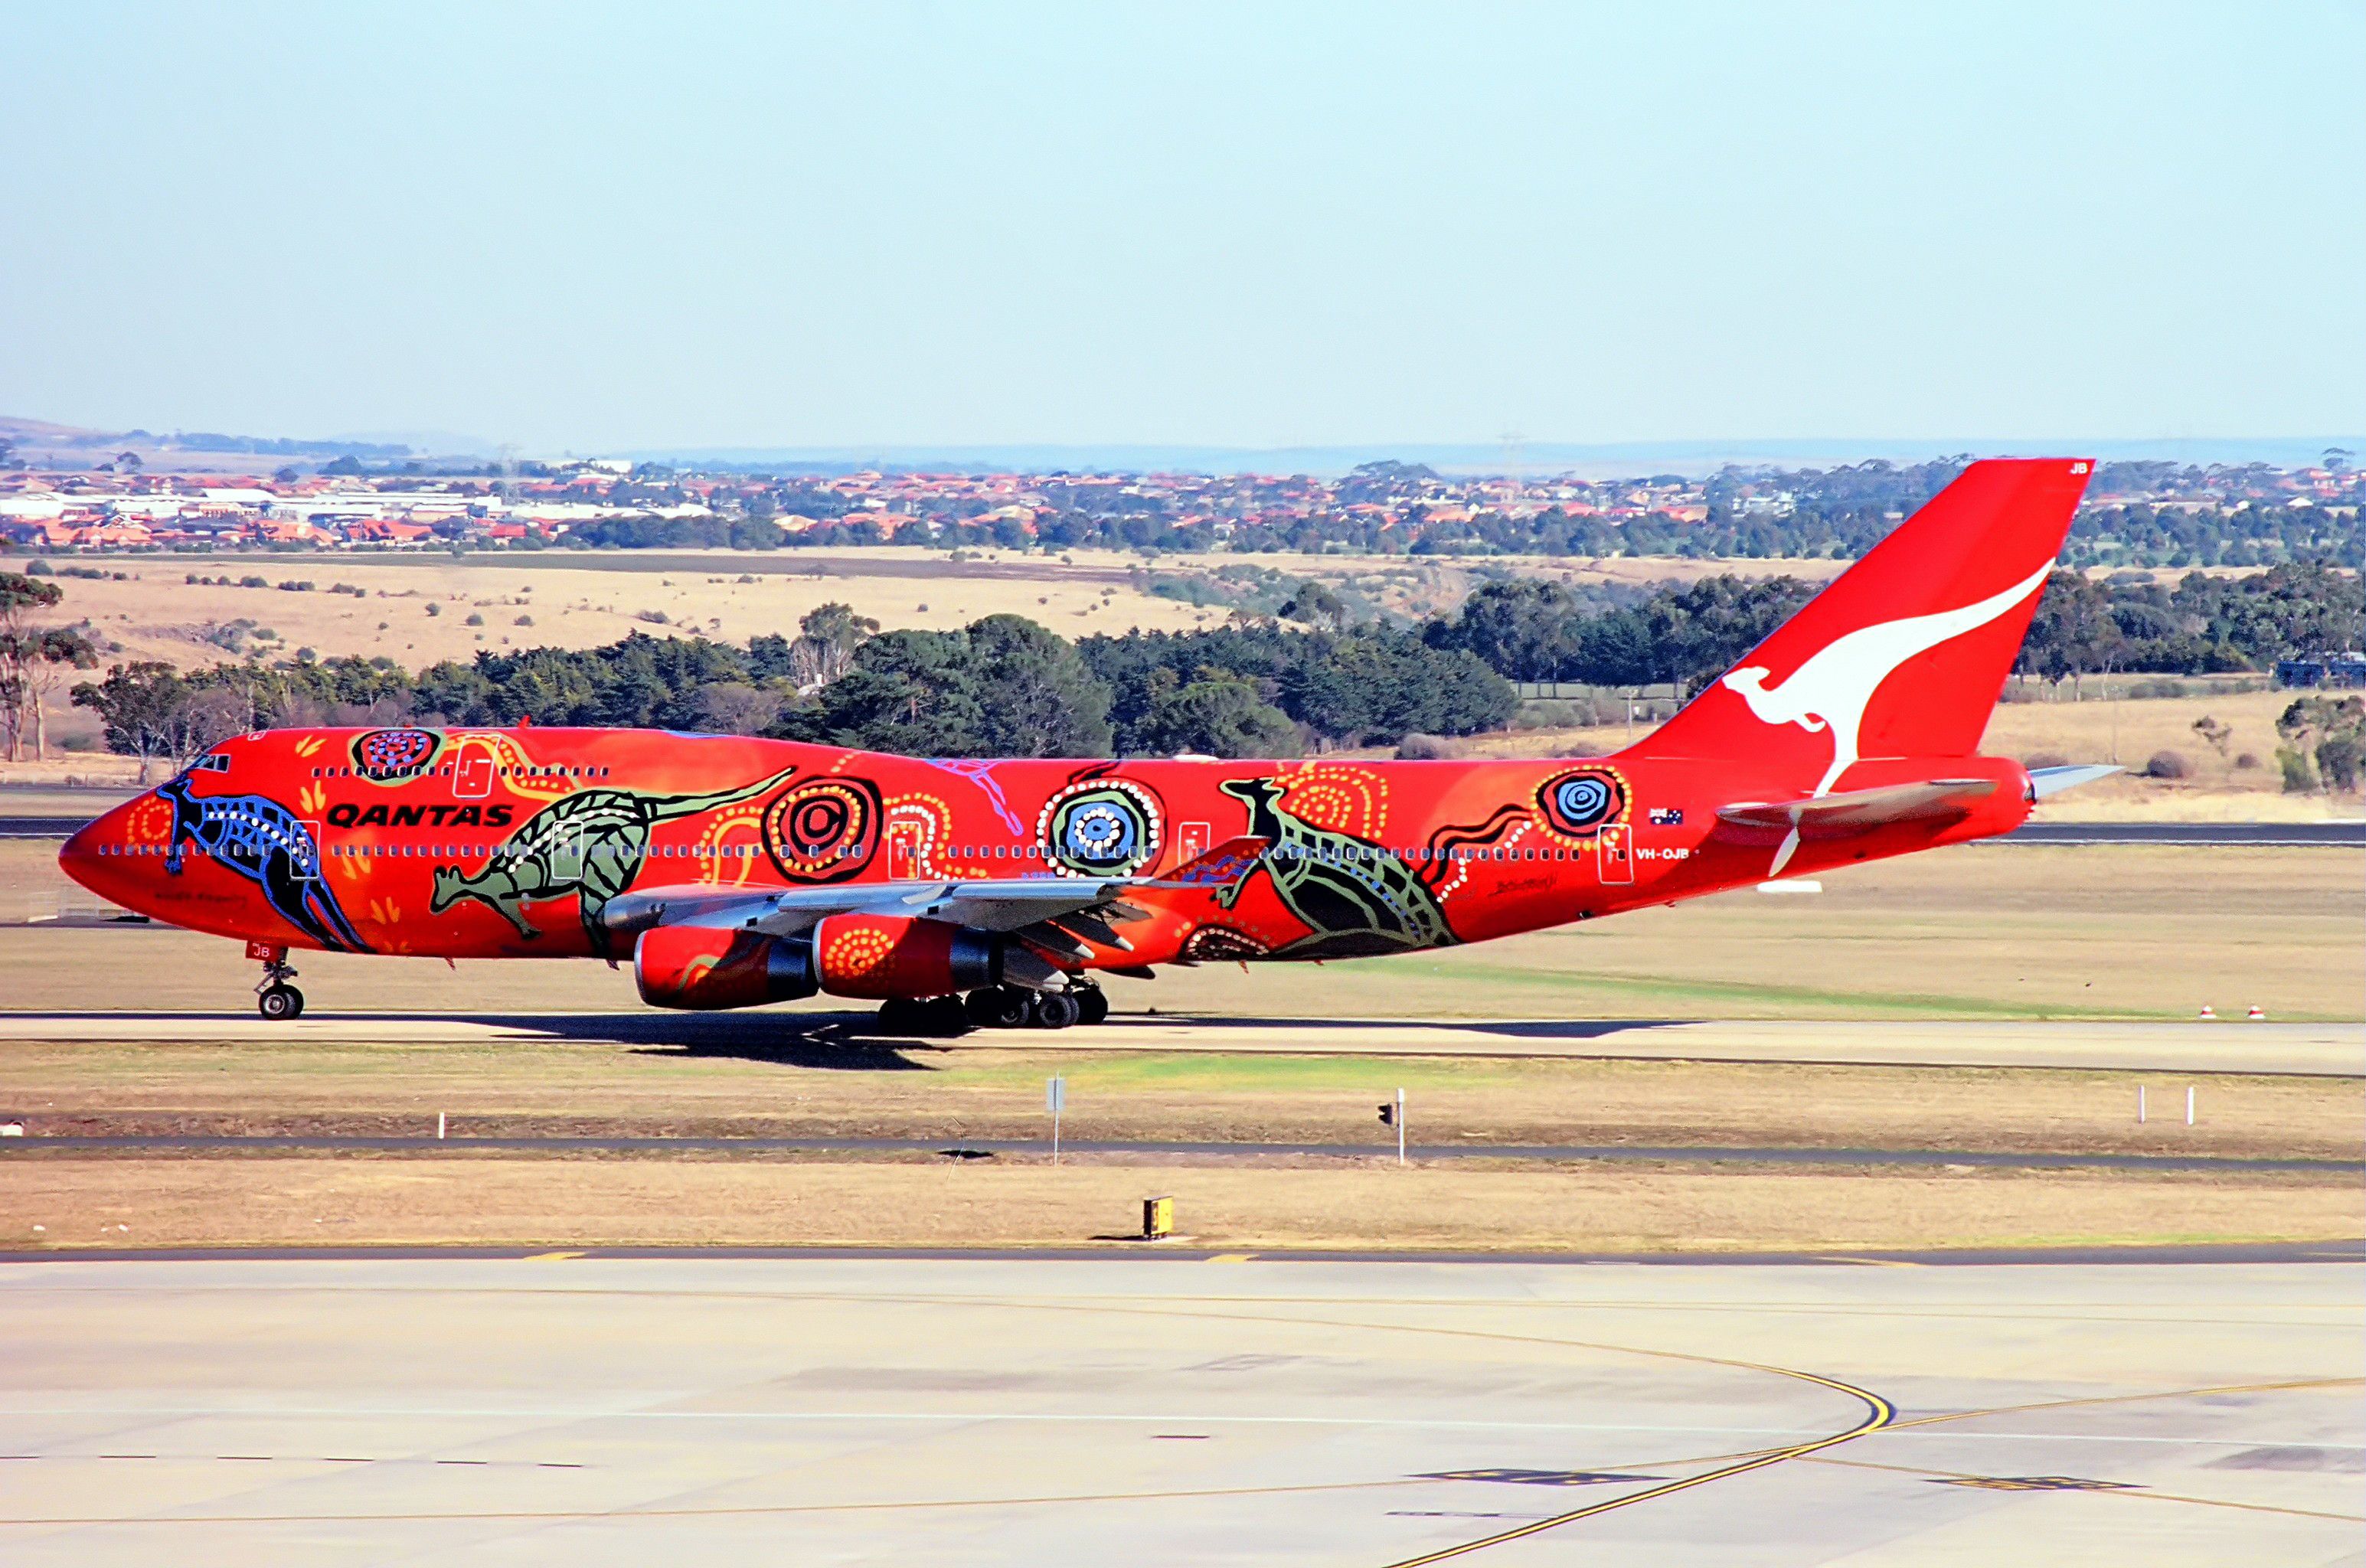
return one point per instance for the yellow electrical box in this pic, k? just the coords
(1157, 1218)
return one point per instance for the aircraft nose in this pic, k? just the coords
(103, 853)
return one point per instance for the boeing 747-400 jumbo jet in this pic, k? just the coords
(732, 871)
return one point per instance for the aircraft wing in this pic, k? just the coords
(1837, 815)
(1052, 911)
(993, 906)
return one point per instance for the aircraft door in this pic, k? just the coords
(308, 866)
(473, 778)
(904, 851)
(1615, 850)
(1190, 842)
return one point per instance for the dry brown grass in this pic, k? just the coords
(581, 601)
(242, 1202)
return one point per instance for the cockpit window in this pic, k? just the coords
(216, 763)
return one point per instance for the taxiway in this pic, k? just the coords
(562, 1408)
(2183, 1046)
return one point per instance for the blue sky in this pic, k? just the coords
(578, 227)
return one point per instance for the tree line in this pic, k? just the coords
(1531, 631)
(1307, 679)
(1002, 686)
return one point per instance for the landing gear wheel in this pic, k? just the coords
(1055, 1009)
(1092, 1005)
(910, 1018)
(1000, 1007)
(280, 1004)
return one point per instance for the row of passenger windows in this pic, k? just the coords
(1286, 851)
(593, 851)
(750, 851)
(385, 775)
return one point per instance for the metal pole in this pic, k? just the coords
(1401, 1126)
(439, 1124)
(2188, 1105)
(1056, 1100)
(2140, 1105)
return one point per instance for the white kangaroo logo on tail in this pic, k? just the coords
(1831, 689)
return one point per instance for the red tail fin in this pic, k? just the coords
(1904, 654)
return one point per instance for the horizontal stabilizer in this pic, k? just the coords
(1858, 810)
(2043, 781)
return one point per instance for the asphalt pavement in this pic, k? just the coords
(565, 1409)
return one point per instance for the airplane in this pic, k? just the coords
(732, 871)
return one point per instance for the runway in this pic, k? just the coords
(2180, 1046)
(590, 1410)
(2247, 835)
(987, 1149)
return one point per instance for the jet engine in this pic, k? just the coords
(895, 955)
(700, 967)
(845, 956)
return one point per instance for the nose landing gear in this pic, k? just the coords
(274, 999)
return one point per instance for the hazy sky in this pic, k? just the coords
(1260, 225)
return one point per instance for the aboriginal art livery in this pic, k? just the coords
(731, 871)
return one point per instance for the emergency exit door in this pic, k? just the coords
(1615, 852)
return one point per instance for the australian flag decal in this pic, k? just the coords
(1667, 817)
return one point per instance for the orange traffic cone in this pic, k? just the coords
(2208, 1011)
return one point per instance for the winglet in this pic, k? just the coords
(2043, 781)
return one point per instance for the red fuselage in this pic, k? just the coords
(508, 843)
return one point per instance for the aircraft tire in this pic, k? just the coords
(1092, 1005)
(1055, 1009)
(280, 1004)
(1000, 1007)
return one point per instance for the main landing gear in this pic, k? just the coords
(1011, 1007)
(994, 1006)
(274, 999)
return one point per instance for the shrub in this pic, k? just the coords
(2338, 757)
(2045, 759)
(1418, 747)
(434, 609)
(2299, 777)
(2248, 760)
(253, 582)
(2168, 765)
(2157, 688)
(655, 617)
(523, 621)
(474, 619)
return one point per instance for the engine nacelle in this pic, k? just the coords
(700, 968)
(893, 955)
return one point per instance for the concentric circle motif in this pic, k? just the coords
(382, 753)
(823, 830)
(1577, 805)
(1101, 827)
